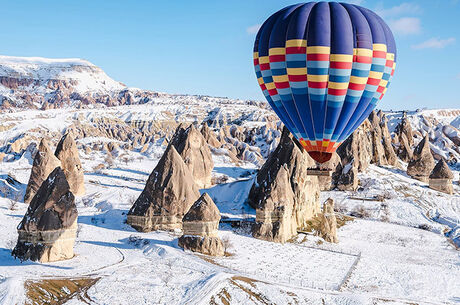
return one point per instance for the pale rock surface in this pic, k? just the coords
(168, 194)
(48, 230)
(284, 196)
(405, 128)
(44, 163)
(328, 222)
(441, 178)
(67, 153)
(200, 226)
(210, 136)
(404, 150)
(422, 162)
(193, 148)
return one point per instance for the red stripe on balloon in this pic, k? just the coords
(339, 92)
(272, 92)
(357, 87)
(362, 59)
(296, 50)
(282, 85)
(341, 65)
(318, 57)
(277, 58)
(317, 85)
(298, 78)
(265, 66)
(373, 81)
(380, 54)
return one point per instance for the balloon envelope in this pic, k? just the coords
(323, 67)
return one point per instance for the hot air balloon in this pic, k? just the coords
(323, 67)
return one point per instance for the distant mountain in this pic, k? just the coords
(42, 83)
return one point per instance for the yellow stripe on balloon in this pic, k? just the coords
(264, 60)
(296, 43)
(341, 57)
(260, 80)
(255, 55)
(362, 52)
(390, 56)
(318, 50)
(277, 51)
(317, 78)
(270, 86)
(358, 80)
(383, 83)
(375, 74)
(297, 71)
(280, 78)
(334, 85)
(379, 47)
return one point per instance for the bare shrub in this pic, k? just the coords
(98, 168)
(227, 243)
(340, 207)
(425, 227)
(385, 217)
(360, 212)
(109, 160)
(13, 205)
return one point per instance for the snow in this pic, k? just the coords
(398, 254)
(88, 77)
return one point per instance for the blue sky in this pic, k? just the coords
(205, 47)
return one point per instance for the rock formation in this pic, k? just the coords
(346, 176)
(422, 162)
(357, 148)
(44, 163)
(404, 150)
(200, 226)
(328, 223)
(168, 194)
(284, 196)
(48, 230)
(441, 178)
(67, 153)
(404, 128)
(209, 136)
(195, 152)
(327, 183)
(378, 152)
(390, 153)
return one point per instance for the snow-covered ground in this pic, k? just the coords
(378, 260)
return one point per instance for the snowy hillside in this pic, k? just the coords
(442, 125)
(398, 238)
(395, 253)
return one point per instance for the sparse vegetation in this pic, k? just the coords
(360, 212)
(227, 245)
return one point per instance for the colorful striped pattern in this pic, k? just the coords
(323, 67)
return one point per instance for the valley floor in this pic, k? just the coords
(397, 253)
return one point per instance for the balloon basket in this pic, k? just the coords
(319, 172)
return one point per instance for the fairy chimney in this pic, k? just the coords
(404, 150)
(44, 163)
(422, 162)
(194, 150)
(441, 178)
(284, 196)
(200, 226)
(48, 230)
(168, 194)
(67, 153)
(405, 128)
(210, 136)
(328, 223)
